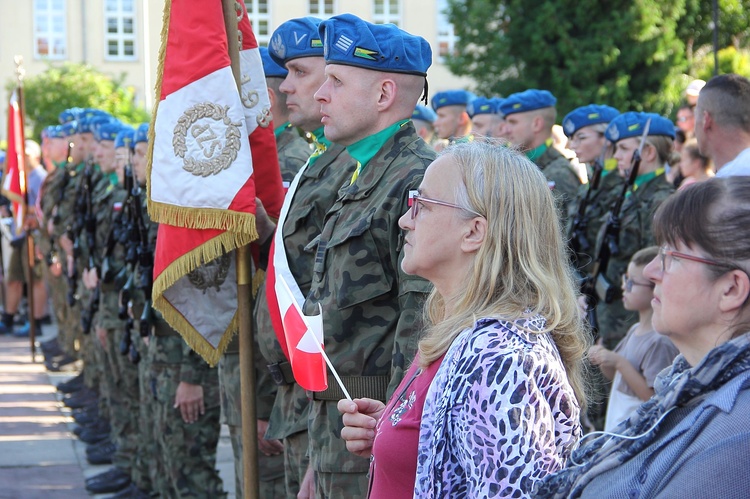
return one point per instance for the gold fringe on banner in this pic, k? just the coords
(202, 218)
(181, 267)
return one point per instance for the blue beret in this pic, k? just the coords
(294, 39)
(125, 137)
(451, 98)
(69, 128)
(270, 68)
(352, 41)
(584, 116)
(482, 105)
(631, 124)
(69, 115)
(528, 100)
(107, 131)
(54, 132)
(423, 113)
(141, 133)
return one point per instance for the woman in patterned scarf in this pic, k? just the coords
(491, 403)
(691, 438)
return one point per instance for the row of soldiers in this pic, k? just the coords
(144, 401)
(344, 96)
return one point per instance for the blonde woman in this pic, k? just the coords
(693, 165)
(491, 403)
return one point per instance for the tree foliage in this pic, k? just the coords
(76, 85)
(628, 54)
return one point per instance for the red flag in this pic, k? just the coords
(304, 340)
(14, 178)
(201, 175)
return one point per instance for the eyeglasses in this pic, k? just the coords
(664, 253)
(415, 199)
(628, 283)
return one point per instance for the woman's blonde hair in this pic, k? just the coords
(522, 265)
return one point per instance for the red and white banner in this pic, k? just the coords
(201, 173)
(14, 177)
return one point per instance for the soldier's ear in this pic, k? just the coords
(272, 96)
(388, 90)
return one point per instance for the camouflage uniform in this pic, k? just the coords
(293, 152)
(148, 470)
(187, 451)
(370, 307)
(636, 221)
(316, 192)
(562, 179)
(610, 187)
(50, 193)
(125, 395)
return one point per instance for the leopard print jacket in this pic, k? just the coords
(499, 415)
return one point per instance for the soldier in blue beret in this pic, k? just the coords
(529, 118)
(424, 118)
(650, 189)
(375, 76)
(453, 121)
(486, 120)
(293, 150)
(140, 152)
(297, 45)
(585, 127)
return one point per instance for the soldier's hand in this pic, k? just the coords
(50, 227)
(101, 335)
(263, 222)
(268, 447)
(360, 418)
(66, 244)
(307, 488)
(189, 399)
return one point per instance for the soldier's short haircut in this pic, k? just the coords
(727, 100)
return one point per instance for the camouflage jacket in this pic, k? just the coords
(371, 309)
(562, 180)
(636, 219)
(66, 207)
(293, 153)
(316, 192)
(107, 205)
(49, 195)
(610, 186)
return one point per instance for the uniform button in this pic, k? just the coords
(642, 477)
(633, 494)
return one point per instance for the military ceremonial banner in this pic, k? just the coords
(14, 177)
(201, 184)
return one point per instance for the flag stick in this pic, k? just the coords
(319, 344)
(30, 253)
(251, 485)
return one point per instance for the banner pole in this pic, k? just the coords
(251, 485)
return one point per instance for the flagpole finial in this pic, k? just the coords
(20, 70)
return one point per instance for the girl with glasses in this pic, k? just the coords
(492, 401)
(634, 363)
(691, 438)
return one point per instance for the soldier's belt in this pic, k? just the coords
(281, 373)
(373, 387)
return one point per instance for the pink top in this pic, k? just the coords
(393, 467)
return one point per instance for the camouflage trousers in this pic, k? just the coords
(341, 485)
(58, 294)
(145, 472)
(270, 468)
(187, 451)
(125, 404)
(296, 462)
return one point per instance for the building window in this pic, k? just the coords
(260, 18)
(50, 32)
(447, 38)
(322, 9)
(119, 29)
(387, 11)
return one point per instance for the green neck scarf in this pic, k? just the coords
(534, 154)
(277, 131)
(366, 149)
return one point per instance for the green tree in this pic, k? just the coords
(696, 26)
(76, 85)
(623, 53)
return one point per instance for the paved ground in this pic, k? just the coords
(39, 456)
